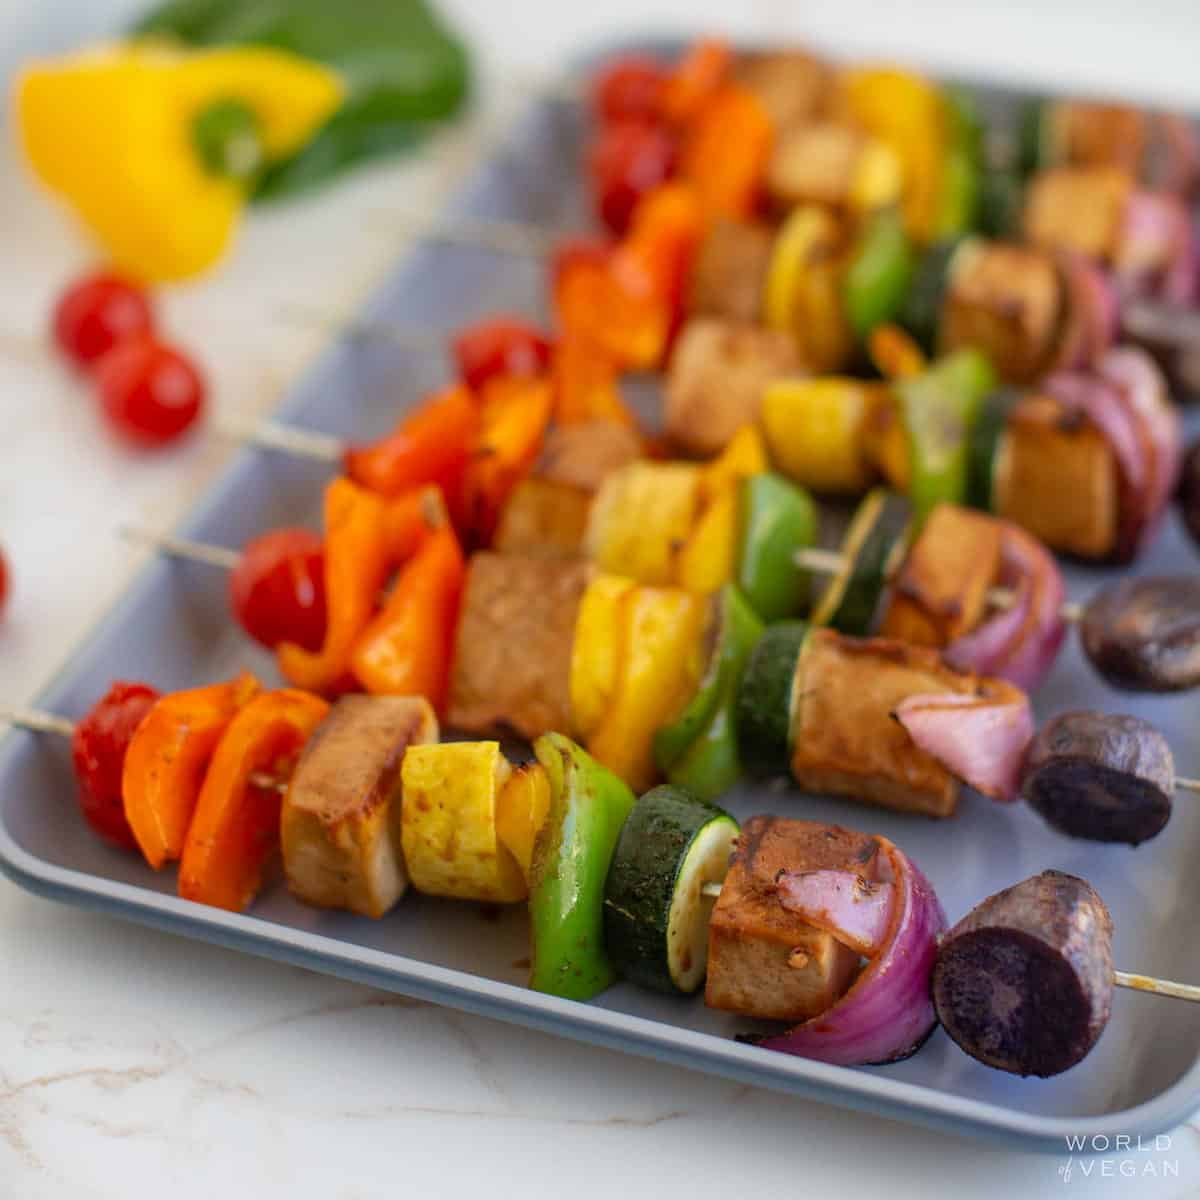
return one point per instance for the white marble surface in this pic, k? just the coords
(133, 1064)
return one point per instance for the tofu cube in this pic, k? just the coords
(764, 961)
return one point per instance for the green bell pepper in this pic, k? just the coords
(940, 408)
(958, 207)
(879, 273)
(402, 70)
(778, 519)
(699, 750)
(588, 806)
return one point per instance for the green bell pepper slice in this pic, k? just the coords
(879, 273)
(778, 519)
(403, 70)
(940, 408)
(962, 163)
(699, 750)
(588, 806)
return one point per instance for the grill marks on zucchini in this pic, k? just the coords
(655, 912)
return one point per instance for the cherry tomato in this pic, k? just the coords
(3, 582)
(500, 346)
(630, 87)
(278, 589)
(628, 160)
(151, 392)
(98, 312)
(98, 755)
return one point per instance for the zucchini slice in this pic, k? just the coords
(655, 911)
(921, 313)
(875, 542)
(984, 446)
(765, 698)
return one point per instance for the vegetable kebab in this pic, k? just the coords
(836, 933)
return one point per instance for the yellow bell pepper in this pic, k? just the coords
(660, 660)
(708, 558)
(804, 288)
(594, 651)
(448, 822)
(154, 148)
(640, 517)
(906, 113)
(745, 455)
(815, 429)
(521, 811)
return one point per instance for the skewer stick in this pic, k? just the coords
(303, 443)
(830, 562)
(185, 548)
(1124, 979)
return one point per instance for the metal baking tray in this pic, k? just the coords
(173, 627)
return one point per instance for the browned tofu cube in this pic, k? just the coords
(844, 740)
(584, 456)
(764, 961)
(941, 589)
(1090, 134)
(340, 822)
(1007, 301)
(814, 164)
(792, 85)
(1057, 477)
(544, 519)
(729, 276)
(1077, 208)
(512, 652)
(717, 375)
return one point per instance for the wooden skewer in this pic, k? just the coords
(830, 562)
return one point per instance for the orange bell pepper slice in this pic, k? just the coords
(235, 830)
(613, 304)
(666, 233)
(410, 518)
(586, 385)
(407, 648)
(695, 78)
(167, 758)
(726, 152)
(357, 561)
(516, 414)
(430, 445)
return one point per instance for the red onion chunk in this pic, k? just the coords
(1142, 387)
(979, 739)
(1155, 246)
(1101, 403)
(1021, 642)
(855, 911)
(887, 1014)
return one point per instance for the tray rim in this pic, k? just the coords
(844, 1087)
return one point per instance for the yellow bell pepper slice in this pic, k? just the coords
(521, 811)
(709, 556)
(803, 289)
(594, 653)
(815, 429)
(661, 659)
(448, 822)
(640, 517)
(745, 455)
(906, 113)
(878, 180)
(111, 132)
